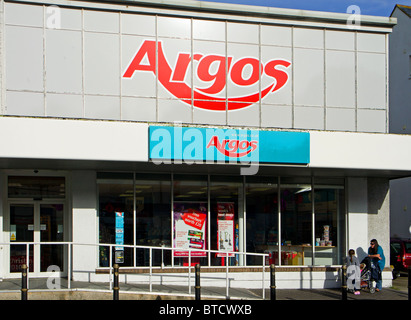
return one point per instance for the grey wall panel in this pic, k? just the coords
(308, 77)
(173, 110)
(340, 40)
(101, 21)
(276, 116)
(64, 105)
(102, 107)
(201, 116)
(276, 36)
(249, 116)
(64, 61)
(308, 38)
(371, 73)
(209, 30)
(24, 58)
(309, 118)
(138, 109)
(16, 14)
(371, 42)
(371, 120)
(137, 24)
(77, 70)
(340, 119)
(243, 33)
(174, 27)
(69, 19)
(340, 79)
(101, 63)
(25, 103)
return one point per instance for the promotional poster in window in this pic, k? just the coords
(190, 225)
(225, 225)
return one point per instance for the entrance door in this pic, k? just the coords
(41, 226)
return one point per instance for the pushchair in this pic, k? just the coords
(370, 273)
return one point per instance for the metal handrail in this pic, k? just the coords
(71, 245)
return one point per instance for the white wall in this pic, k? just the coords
(34, 138)
(379, 213)
(2, 213)
(357, 216)
(84, 223)
(360, 150)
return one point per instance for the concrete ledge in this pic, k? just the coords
(92, 295)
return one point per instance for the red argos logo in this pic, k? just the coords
(233, 147)
(173, 80)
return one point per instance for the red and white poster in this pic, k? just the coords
(190, 221)
(225, 228)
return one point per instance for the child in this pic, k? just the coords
(353, 273)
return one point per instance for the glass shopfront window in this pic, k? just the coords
(190, 219)
(226, 198)
(329, 223)
(294, 221)
(153, 217)
(262, 217)
(116, 201)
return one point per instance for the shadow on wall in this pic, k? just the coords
(361, 254)
(378, 191)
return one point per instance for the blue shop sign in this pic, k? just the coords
(191, 144)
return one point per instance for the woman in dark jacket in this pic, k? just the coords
(376, 253)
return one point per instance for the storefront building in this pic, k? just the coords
(193, 126)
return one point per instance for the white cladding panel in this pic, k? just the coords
(360, 150)
(73, 140)
(77, 70)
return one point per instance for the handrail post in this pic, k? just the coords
(28, 261)
(227, 295)
(189, 271)
(409, 283)
(343, 282)
(272, 283)
(197, 286)
(69, 249)
(24, 289)
(263, 277)
(111, 266)
(151, 268)
(116, 287)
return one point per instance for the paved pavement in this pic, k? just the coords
(10, 290)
